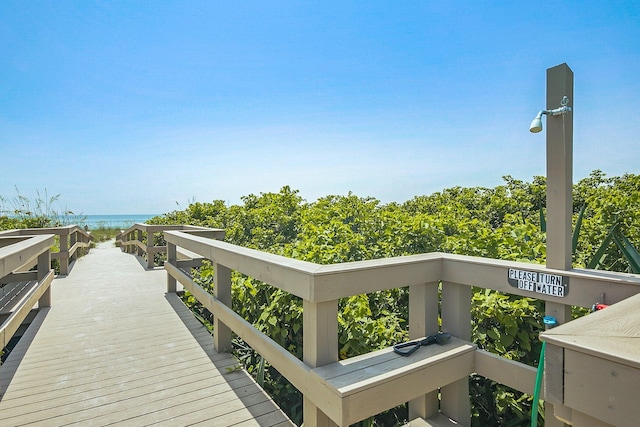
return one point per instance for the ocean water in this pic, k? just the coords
(112, 221)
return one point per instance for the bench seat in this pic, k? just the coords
(12, 294)
(356, 388)
(16, 301)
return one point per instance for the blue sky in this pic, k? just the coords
(138, 106)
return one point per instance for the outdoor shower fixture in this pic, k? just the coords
(536, 124)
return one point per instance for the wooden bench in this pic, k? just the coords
(352, 390)
(16, 301)
(12, 294)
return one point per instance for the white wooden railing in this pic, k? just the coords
(438, 283)
(140, 239)
(74, 241)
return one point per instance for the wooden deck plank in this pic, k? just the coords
(229, 413)
(95, 388)
(115, 356)
(189, 405)
(114, 349)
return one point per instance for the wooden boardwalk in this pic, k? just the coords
(115, 349)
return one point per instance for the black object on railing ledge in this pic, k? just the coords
(408, 348)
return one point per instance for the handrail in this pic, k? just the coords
(73, 241)
(19, 254)
(320, 287)
(136, 239)
(320, 283)
(22, 252)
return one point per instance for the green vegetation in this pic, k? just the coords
(505, 222)
(20, 211)
(104, 233)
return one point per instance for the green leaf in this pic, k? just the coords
(493, 334)
(629, 252)
(597, 257)
(576, 230)
(507, 340)
(260, 375)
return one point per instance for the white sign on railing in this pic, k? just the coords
(541, 283)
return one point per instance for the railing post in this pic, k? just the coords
(222, 292)
(320, 347)
(73, 237)
(559, 180)
(86, 238)
(559, 206)
(172, 258)
(423, 321)
(135, 236)
(150, 252)
(559, 169)
(44, 266)
(64, 254)
(82, 238)
(150, 246)
(137, 248)
(456, 319)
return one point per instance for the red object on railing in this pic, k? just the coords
(599, 306)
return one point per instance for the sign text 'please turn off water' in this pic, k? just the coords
(538, 282)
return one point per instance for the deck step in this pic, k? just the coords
(357, 388)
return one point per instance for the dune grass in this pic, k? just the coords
(102, 234)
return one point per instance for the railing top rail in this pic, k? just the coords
(137, 226)
(158, 228)
(6, 240)
(317, 283)
(291, 275)
(601, 275)
(17, 254)
(63, 230)
(583, 287)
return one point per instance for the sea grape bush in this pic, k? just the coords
(503, 222)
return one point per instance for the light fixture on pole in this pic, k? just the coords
(536, 124)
